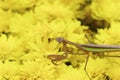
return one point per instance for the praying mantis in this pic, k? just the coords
(86, 48)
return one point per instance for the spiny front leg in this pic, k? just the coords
(55, 58)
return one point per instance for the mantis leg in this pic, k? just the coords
(85, 68)
(55, 58)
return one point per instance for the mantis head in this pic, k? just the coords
(59, 39)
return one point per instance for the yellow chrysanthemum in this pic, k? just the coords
(106, 9)
(9, 71)
(5, 20)
(17, 5)
(111, 36)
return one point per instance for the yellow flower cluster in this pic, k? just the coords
(28, 29)
(106, 9)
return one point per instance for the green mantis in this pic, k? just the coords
(84, 47)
